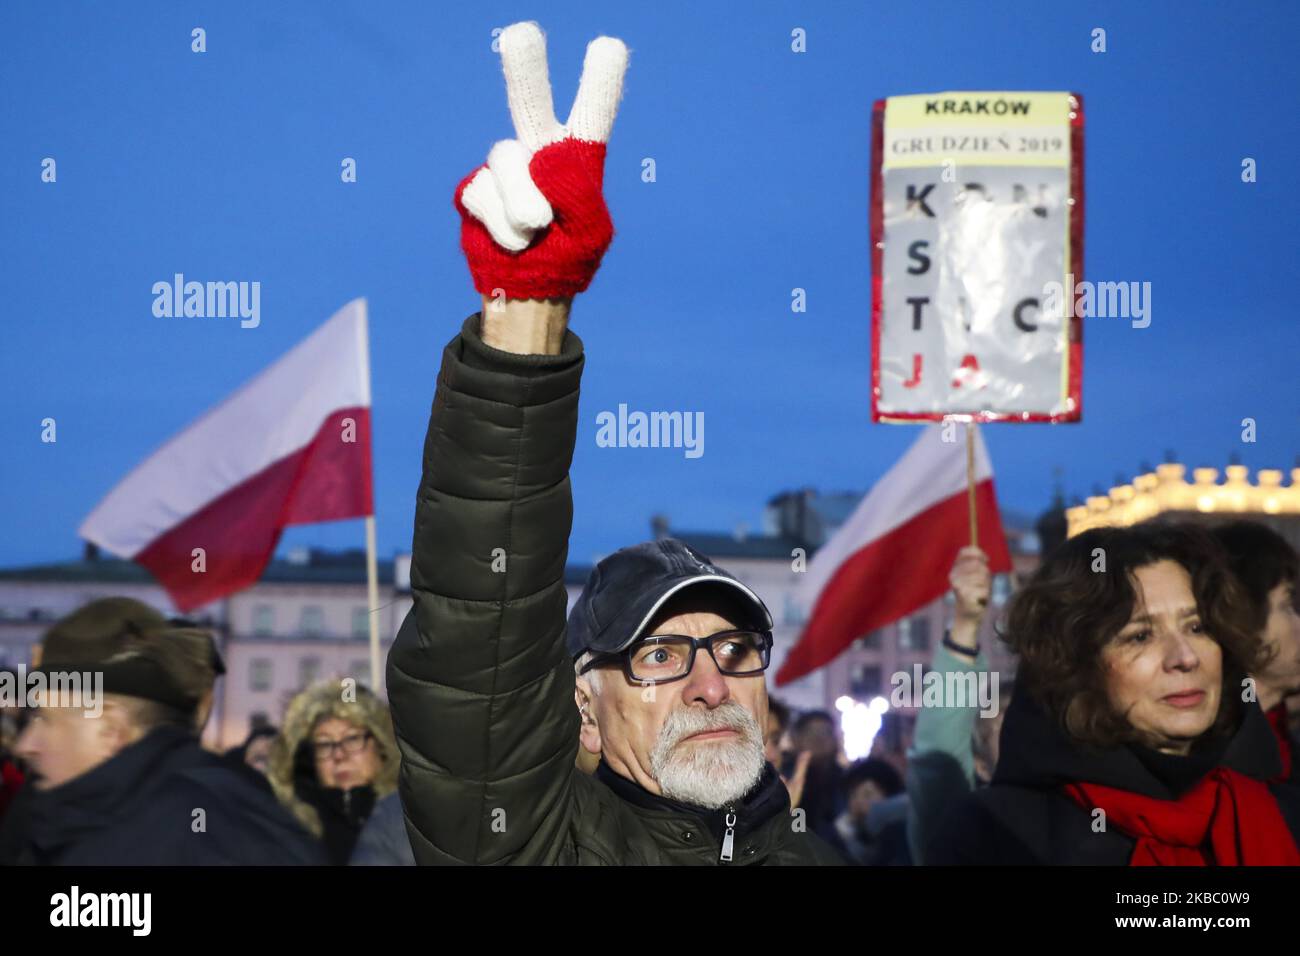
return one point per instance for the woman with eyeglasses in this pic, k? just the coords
(334, 759)
(1134, 737)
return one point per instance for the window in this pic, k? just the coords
(871, 642)
(914, 634)
(313, 621)
(263, 620)
(360, 622)
(308, 670)
(865, 683)
(260, 674)
(921, 633)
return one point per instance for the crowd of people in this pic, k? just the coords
(132, 784)
(1147, 723)
(1154, 665)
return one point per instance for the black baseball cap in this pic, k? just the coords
(626, 589)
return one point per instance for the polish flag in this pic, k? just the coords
(892, 557)
(292, 446)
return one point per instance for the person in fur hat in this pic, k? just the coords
(335, 757)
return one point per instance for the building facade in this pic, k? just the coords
(308, 616)
(1166, 493)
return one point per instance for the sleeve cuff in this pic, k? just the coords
(945, 660)
(478, 354)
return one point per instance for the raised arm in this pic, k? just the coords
(480, 685)
(941, 766)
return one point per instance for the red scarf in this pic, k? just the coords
(1277, 720)
(1227, 819)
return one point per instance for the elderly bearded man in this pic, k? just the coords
(664, 653)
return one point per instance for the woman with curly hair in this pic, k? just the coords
(1131, 739)
(335, 757)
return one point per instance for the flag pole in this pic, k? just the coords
(970, 484)
(372, 589)
(372, 562)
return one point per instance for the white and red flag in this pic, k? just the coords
(292, 446)
(892, 557)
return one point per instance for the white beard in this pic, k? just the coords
(708, 773)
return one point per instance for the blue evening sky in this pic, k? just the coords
(225, 166)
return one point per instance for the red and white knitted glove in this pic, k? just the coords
(533, 219)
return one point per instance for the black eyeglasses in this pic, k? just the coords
(663, 658)
(350, 746)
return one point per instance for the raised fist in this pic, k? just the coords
(533, 218)
(972, 583)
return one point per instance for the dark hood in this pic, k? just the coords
(117, 813)
(1034, 751)
(110, 792)
(765, 800)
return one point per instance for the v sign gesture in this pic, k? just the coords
(534, 222)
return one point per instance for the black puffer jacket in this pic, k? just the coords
(479, 681)
(1025, 818)
(139, 808)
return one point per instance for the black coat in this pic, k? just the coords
(138, 808)
(765, 807)
(1025, 818)
(479, 678)
(342, 814)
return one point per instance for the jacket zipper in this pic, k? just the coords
(728, 838)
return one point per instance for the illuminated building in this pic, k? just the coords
(1166, 493)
